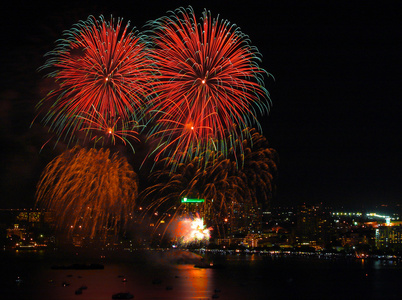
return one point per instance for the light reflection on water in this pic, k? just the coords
(200, 281)
(244, 277)
(143, 279)
(175, 282)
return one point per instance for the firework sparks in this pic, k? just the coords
(229, 189)
(259, 169)
(190, 230)
(208, 85)
(102, 69)
(100, 130)
(216, 182)
(90, 191)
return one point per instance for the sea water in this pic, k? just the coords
(146, 275)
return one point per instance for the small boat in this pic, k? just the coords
(80, 289)
(65, 283)
(18, 281)
(169, 288)
(123, 296)
(210, 265)
(156, 281)
(203, 264)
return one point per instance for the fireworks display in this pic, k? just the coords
(102, 70)
(216, 183)
(208, 84)
(90, 191)
(197, 86)
(231, 192)
(259, 168)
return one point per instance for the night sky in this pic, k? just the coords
(336, 114)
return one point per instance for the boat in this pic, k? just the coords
(123, 296)
(80, 289)
(18, 280)
(208, 265)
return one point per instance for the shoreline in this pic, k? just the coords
(178, 256)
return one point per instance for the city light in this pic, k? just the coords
(189, 200)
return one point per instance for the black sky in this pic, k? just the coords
(336, 114)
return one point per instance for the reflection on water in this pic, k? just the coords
(159, 282)
(244, 277)
(200, 281)
(144, 279)
(381, 264)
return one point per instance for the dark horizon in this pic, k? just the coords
(335, 116)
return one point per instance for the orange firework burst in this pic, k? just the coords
(90, 191)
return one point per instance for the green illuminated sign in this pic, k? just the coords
(189, 200)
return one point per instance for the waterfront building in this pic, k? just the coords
(389, 236)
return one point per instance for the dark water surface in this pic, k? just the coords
(150, 276)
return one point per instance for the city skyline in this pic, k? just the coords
(315, 226)
(335, 115)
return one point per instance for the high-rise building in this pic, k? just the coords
(245, 219)
(313, 225)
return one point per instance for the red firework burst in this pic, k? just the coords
(101, 69)
(208, 75)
